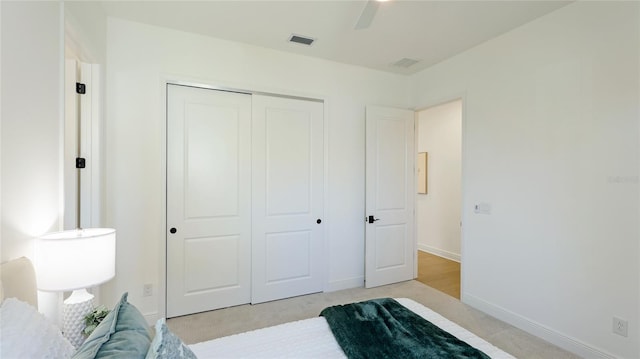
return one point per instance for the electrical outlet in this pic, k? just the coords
(620, 326)
(147, 290)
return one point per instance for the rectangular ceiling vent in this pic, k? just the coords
(405, 63)
(303, 40)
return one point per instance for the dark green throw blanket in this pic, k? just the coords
(384, 328)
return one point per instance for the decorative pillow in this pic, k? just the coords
(123, 333)
(25, 333)
(167, 345)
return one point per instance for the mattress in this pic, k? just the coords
(312, 338)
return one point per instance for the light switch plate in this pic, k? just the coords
(482, 208)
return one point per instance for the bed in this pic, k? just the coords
(125, 333)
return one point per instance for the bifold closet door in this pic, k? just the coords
(287, 198)
(208, 199)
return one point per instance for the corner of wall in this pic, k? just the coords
(537, 329)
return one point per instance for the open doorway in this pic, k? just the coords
(438, 211)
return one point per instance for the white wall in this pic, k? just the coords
(439, 133)
(31, 124)
(551, 141)
(141, 57)
(85, 32)
(31, 142)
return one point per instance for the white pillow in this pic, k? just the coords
(167, 345)
(25, 333)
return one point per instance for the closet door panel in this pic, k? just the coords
(288, 161)
(208, 199)
(288, 165)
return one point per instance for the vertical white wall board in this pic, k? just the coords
(90, 149)
(82, 112)
(70, 143)
(439, 133)
(85, 145)
(135, 138)
(96, 135)
(552, 143)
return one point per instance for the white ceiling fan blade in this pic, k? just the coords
(368, 13)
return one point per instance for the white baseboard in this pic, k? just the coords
(439, 252)
(565, 342)
(348, 283)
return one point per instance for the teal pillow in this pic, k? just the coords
(123, 333)
(168, 345)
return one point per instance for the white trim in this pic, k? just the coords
(70, 145)
(242, 87)
(439, 252)
(563, 341)
(355, 282)
(86, 146)
(242, 91)
(464, 185)
(326, 221)
(162, 263)
(95, 194)
(416, 245)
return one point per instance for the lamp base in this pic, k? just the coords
(75, 308)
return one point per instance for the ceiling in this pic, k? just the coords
(428, 31)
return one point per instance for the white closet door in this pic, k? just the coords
(287, 187)
(390, 194)
(208, 199)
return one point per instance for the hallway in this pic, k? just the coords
(439, 273)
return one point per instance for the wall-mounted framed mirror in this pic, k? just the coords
(422, 172)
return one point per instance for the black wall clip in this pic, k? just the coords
(81, 88)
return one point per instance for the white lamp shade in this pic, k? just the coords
(75, 259)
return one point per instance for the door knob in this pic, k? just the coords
(318, 221)
(371, 219)
(173, 230)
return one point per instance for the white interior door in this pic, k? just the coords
(287, 198)
(390, 190)
(82, 113)
(208, 199)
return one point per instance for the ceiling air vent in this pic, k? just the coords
(406, 63)
(301, 40)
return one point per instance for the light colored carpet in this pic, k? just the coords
(218, 323)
